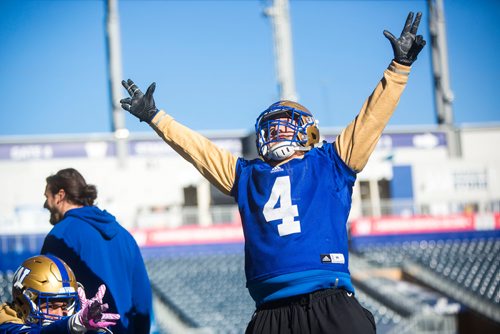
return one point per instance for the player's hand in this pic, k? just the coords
(407, 47)
(92, 314)
(138, 104)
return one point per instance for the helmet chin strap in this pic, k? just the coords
(284, 150)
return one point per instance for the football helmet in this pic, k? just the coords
(40, 283)
(284, 128)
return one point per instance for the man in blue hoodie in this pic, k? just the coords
(98, 249)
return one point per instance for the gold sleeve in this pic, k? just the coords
(218, 166)
(8, 314)
(357, 141)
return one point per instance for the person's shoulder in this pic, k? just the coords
(248, 162)
(329, 152)
(124, 233)
(322, 148)
(61, 227)
(243, 164)
(73, 215)
(73, 223)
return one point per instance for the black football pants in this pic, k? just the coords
(333, 311)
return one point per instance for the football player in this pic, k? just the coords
(294, 200)
(47, 299)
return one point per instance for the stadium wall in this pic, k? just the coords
(409, 173)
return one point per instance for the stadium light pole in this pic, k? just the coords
(279, 15)
(120, 132)
(442, 91)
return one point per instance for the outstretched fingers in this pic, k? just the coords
(125, 85)
(105, 320)
(408, 23)
(151, 89)
(110, 317)
(131, 87)
(416, 23)
(81, 295)
(100, 293)
(390, 36)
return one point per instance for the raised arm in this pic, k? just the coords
(358, 140)
(218, 166)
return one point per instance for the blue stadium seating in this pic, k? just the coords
(6, 286)
(207, 291)
(472, 265)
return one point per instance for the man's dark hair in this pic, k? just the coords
(77, 190)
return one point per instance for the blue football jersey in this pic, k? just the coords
(294, 215)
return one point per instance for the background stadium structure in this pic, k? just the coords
(424, 226)
(425, 241)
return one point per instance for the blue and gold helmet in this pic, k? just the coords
(40, 283)
(288, 117)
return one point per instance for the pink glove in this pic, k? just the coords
(92, 313)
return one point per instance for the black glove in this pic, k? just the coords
(408, 45)
(140, 105)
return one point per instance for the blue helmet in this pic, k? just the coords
(292, 117)
(40, 281)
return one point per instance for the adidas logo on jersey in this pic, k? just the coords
(276, 169)
(333, 258)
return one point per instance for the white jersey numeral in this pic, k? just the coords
(285, 211)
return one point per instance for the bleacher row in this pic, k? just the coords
(6, 285)
(205, 287)
(472, 265)
(208, 291)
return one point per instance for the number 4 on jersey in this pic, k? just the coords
(286, 212)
